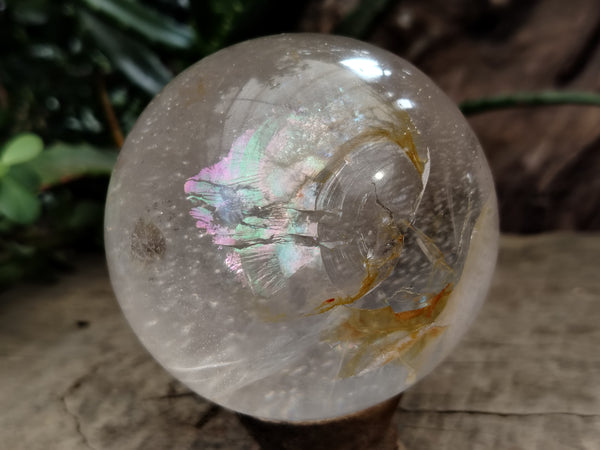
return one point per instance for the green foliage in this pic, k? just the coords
(149, 23)
(17, 203)
(18, 182)
(136, 61)
(26, 169)
(20, 149)
(63, 162)
(57, 53)
(32, 242)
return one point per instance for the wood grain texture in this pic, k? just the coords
(526, 376)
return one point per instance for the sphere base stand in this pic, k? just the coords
(369, 429)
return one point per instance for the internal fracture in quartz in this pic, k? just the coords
(348, 212)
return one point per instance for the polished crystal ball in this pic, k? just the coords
(301, 226)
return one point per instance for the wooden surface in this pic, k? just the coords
(526, 376)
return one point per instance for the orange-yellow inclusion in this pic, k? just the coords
(374, 338)
(377, 269)
(401, 136)
(399, 131)
(377, 337)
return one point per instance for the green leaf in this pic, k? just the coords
(151, 24)
(62, 162)
(21, 148)
(17, 203)
(136, 61)
(3, 169)
(26, 176)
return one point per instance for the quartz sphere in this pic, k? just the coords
(301, 226)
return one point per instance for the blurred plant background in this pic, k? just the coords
(75, 75)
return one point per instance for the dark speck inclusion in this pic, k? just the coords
(147, 242)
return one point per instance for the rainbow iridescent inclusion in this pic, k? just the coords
(243, 204)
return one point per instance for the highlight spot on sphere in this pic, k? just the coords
(330, 221)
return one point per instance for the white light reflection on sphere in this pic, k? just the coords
(301, 226)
